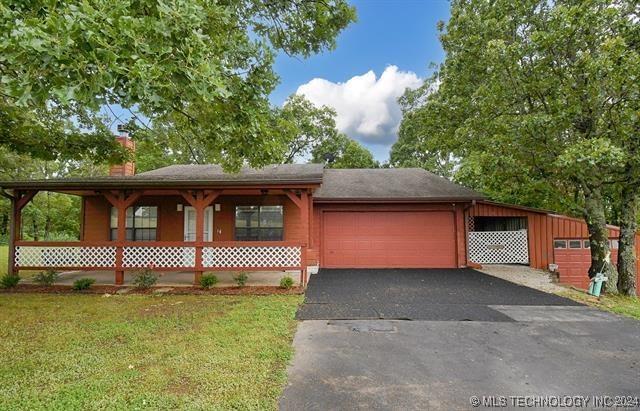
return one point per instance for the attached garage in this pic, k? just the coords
(389, 239)
(390, 218)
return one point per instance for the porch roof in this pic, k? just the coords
(184, 176)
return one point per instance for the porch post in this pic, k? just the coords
(121, 238)
(14, 233)
(121, 202)
(200, 207)
(200, 201)
(18, 201)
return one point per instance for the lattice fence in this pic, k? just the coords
(159, 257)
(499, 247)
(220, 257)
(67, 256)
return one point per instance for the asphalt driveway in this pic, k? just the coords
(416, 294)
(519, 345)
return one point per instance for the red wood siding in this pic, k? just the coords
(171, 222)
(543, 228)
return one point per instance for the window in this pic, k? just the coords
(142, 223)
(586, 244)
(560, 244)
(259, 223)
(613, 244)
(575, 244)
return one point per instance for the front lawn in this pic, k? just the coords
(617, 304)
(63, 352)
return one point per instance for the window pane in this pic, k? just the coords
(129, 234)
(113, 223)
(113, 234)
(247, 234)
(271, 216)
(586, 244)
(575, 244)
(613, 244)
(129, 217)
(146, 217)
(560, 244)
(145, 234)
(247, 216)
(271, 234)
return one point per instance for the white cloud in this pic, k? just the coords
(366, 106)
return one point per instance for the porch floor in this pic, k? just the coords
(181, 278)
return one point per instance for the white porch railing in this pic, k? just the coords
(499, 247)
(252, 257)
(159, 256)
(65, 256)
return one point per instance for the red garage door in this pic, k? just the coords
(384, 239)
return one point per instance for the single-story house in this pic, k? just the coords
(197, 218)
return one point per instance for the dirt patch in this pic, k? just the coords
(112, 289)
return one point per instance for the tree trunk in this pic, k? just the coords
(627, 241)
(599, 239)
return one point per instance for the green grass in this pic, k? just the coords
(88, 352)
(617, 304)
(4, 255)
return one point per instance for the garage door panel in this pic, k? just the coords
(388, 239)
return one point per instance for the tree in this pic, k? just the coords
(50, 215)
(299, 125)
(343, 152)
(530, 102)
(306, 126)
(200, 71)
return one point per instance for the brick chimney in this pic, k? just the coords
(128, 168)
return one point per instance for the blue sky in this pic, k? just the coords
(400, 33)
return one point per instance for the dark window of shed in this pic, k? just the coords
(560, 244)
(575, 244)
(499, 223)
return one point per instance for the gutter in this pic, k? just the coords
(395, 200)
(131, 183)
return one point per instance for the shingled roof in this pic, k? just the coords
(215, 173)
(390, 184)
(386, 184)
(186, 175)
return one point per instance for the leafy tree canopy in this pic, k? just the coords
(195, 69)
(535, 103)
(343, 152)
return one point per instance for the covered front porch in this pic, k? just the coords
(178, 233)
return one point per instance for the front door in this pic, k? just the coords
(190, 224)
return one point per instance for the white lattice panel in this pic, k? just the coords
(67, 256)
(220, 257)
(499, 247)
(160, 257)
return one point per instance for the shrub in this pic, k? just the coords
(9, 280)
(83, 283)
(241, 278)
(46, 277)
(286, 282)
(145, 279)
(208, 280)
